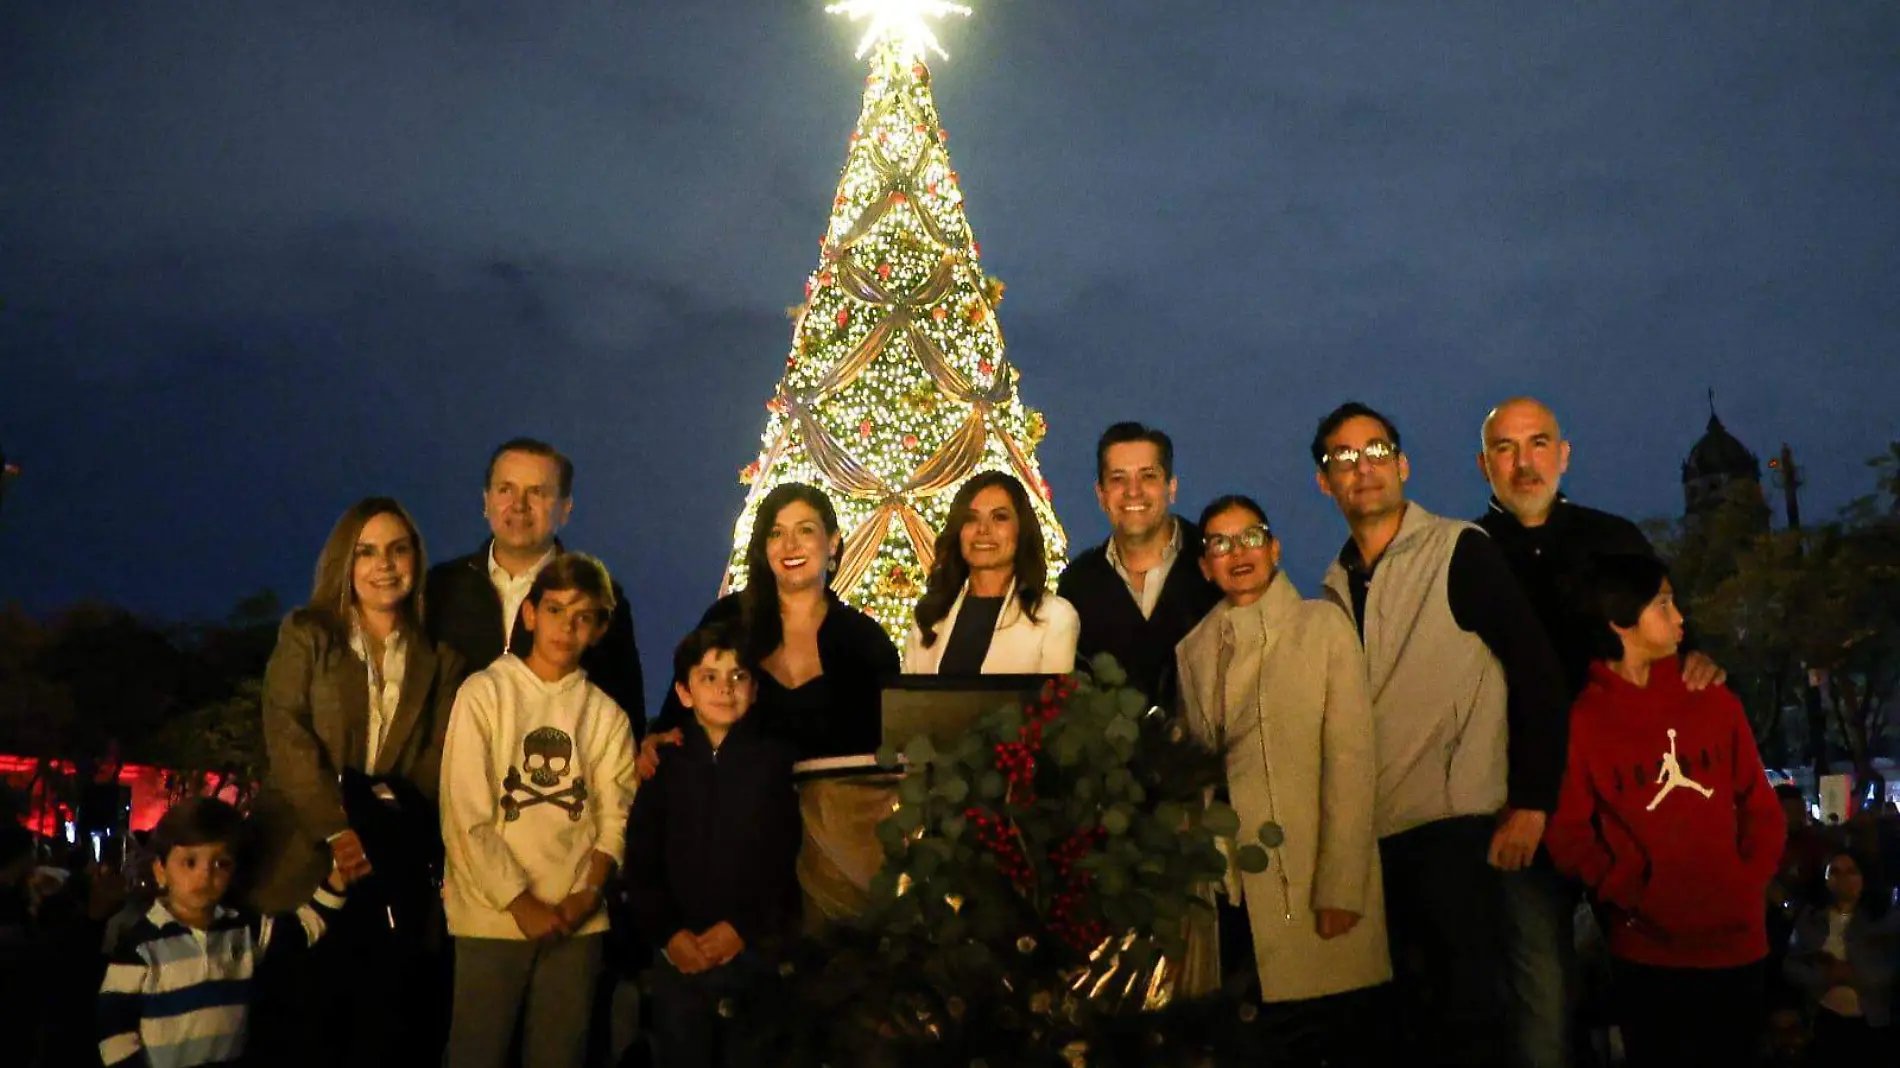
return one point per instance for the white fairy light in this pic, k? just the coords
(901, 22)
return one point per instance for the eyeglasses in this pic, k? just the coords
(1253, 537)
(1345, 458)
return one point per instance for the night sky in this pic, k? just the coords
(259, 258)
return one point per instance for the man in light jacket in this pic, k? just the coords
(1471, 721)
(1278, 683)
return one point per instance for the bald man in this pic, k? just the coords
(1549, 542)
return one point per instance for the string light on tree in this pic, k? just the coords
(897, 387)
(903, 24)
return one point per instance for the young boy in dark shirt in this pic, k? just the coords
(711, 855)
(1667, 816)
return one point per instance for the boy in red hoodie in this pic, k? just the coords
(1667, 815)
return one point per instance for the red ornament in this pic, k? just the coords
(807, 289)
(976, 247)
(943, 136)
(931, 189)
(899, 198)
(844, 316)
(985, 367)
(838, 204)
(919, 128)
(910, 441)
(883, 270)
(940, 313)
(883, 137)
(824, 278)
(864, 431)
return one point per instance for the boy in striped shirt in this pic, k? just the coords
(178, 985)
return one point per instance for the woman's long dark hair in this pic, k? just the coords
(951, 570)
(758, 602)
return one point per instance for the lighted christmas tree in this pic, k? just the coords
(897, 388)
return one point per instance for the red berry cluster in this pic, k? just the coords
(997, 835)
(1065, 910)
(1017, 759)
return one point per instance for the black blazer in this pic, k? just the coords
(1112, 622)
(464, 611)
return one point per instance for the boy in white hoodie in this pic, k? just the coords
(537, 779)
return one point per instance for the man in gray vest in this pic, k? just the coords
(1470, 723)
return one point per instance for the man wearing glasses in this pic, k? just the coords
(1470, 720)
(1279, 684)
(1549, 542)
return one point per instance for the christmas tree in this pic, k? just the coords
(897, 388)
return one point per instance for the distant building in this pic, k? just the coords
(1722, 473)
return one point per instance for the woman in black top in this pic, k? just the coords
(820, 665)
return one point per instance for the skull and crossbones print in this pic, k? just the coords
(546, 754)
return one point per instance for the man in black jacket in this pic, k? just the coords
(1140, 592)
(474, 602)
(1549, 543)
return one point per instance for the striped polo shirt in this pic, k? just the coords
(180, 997)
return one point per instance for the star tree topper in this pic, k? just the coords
(900, 22)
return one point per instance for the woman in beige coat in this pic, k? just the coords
(1279, 683)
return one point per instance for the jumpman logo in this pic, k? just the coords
(1671, 776)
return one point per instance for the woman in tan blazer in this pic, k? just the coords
(1279, 684)
(356, 706)
(988, 609)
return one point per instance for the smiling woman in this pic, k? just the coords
(356, 700)
(818, 664)
(987, 608)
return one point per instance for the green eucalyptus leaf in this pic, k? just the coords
(990, 785)
(1252, 859)
(1108, 674)
(920, 750)
(1133, 703)
(952, 828)
(1115, 820)
(1271, 835)
(1171, 815)
(1221, 819)
(913, 790)
(953, 790)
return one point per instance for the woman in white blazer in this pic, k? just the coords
(987, 608)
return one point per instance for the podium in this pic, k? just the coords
(842, 799)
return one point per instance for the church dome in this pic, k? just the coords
(1720, 454)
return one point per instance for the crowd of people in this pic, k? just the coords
(1494, 775)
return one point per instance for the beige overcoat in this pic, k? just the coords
(1281, 685)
